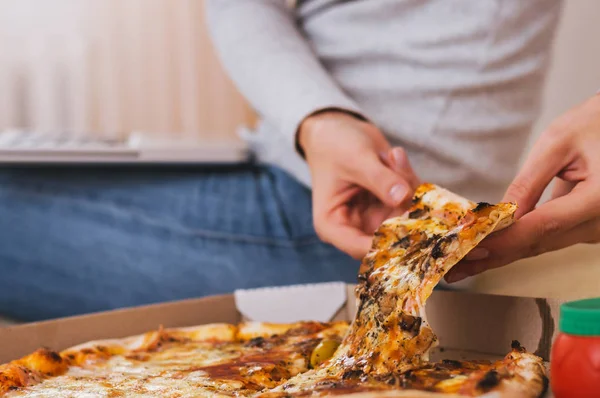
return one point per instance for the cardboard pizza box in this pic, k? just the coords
(469, 325)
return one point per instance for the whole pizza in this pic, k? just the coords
(384, 352)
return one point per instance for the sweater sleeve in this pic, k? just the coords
(271, 62)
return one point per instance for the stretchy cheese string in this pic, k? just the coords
(410, 255)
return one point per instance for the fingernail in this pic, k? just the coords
(398, 193)
(398, 158)
(479, 253)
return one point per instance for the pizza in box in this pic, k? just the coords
(383, 352)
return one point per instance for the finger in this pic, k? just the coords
(336, 226)
(347, 238)
(389, 186)
(587, 232)
(562, 187)
(534, 232)
(550, 219)
(400, 164)
(397, 160)
(548, 156)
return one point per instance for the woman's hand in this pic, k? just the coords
(357, 179)
(569, 153)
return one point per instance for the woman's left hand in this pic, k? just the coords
(568, 152)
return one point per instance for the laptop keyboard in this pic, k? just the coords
(18, 140)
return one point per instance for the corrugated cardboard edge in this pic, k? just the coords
(549, 311)
(17, 341)
(488, 323)
(463, 321)
(287, 304)
(531, 321)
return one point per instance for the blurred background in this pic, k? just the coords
(106, 67)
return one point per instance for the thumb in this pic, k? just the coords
(389, 186)
(543, 163)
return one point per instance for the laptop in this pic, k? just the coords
(28, 147)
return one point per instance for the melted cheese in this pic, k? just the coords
(164, 373)
(389, 336)
(169, 364)
(410, 255)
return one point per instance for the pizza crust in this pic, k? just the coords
(389, 336)
(410, 255)
(215, 358)
(530, 376)
(216, 331)
(506, 393)
(251, 330)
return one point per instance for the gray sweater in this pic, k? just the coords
(457, 83)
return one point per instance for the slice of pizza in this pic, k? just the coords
(409, 257)
(383, 353)
(209, 360)
(390, 335)
(519, 374)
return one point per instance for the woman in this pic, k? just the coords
(351, 94)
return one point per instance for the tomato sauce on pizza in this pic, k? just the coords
(384, 352)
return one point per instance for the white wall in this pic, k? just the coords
(575, 71)
(575, 75)
(111, 66)
(148, 64)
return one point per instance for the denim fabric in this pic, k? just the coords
(82, 240)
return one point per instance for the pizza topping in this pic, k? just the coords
(13, 376)
(393, 289)
(256, 342)
(255, 372)
(410, 255)
(419, 212)
(450, 364)
(481, 206)
(516, 346)
(402, 243)
(45, 362)
(386, 347)
(154, 341)
(489, 381)
(353, 374)
(323, 351)
(442, 245)
(410, 323)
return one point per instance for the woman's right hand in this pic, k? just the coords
(358, 180)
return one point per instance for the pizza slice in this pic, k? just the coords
(390, 335)
(409, 257)
(383, 353)
(519, 374)
(209, 360)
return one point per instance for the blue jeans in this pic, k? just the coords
(90, 239)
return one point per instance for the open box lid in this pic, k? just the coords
(471, 322)
(463, 321)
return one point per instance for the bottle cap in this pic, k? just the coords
(580, 318)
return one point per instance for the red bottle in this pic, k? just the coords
(575, 359)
